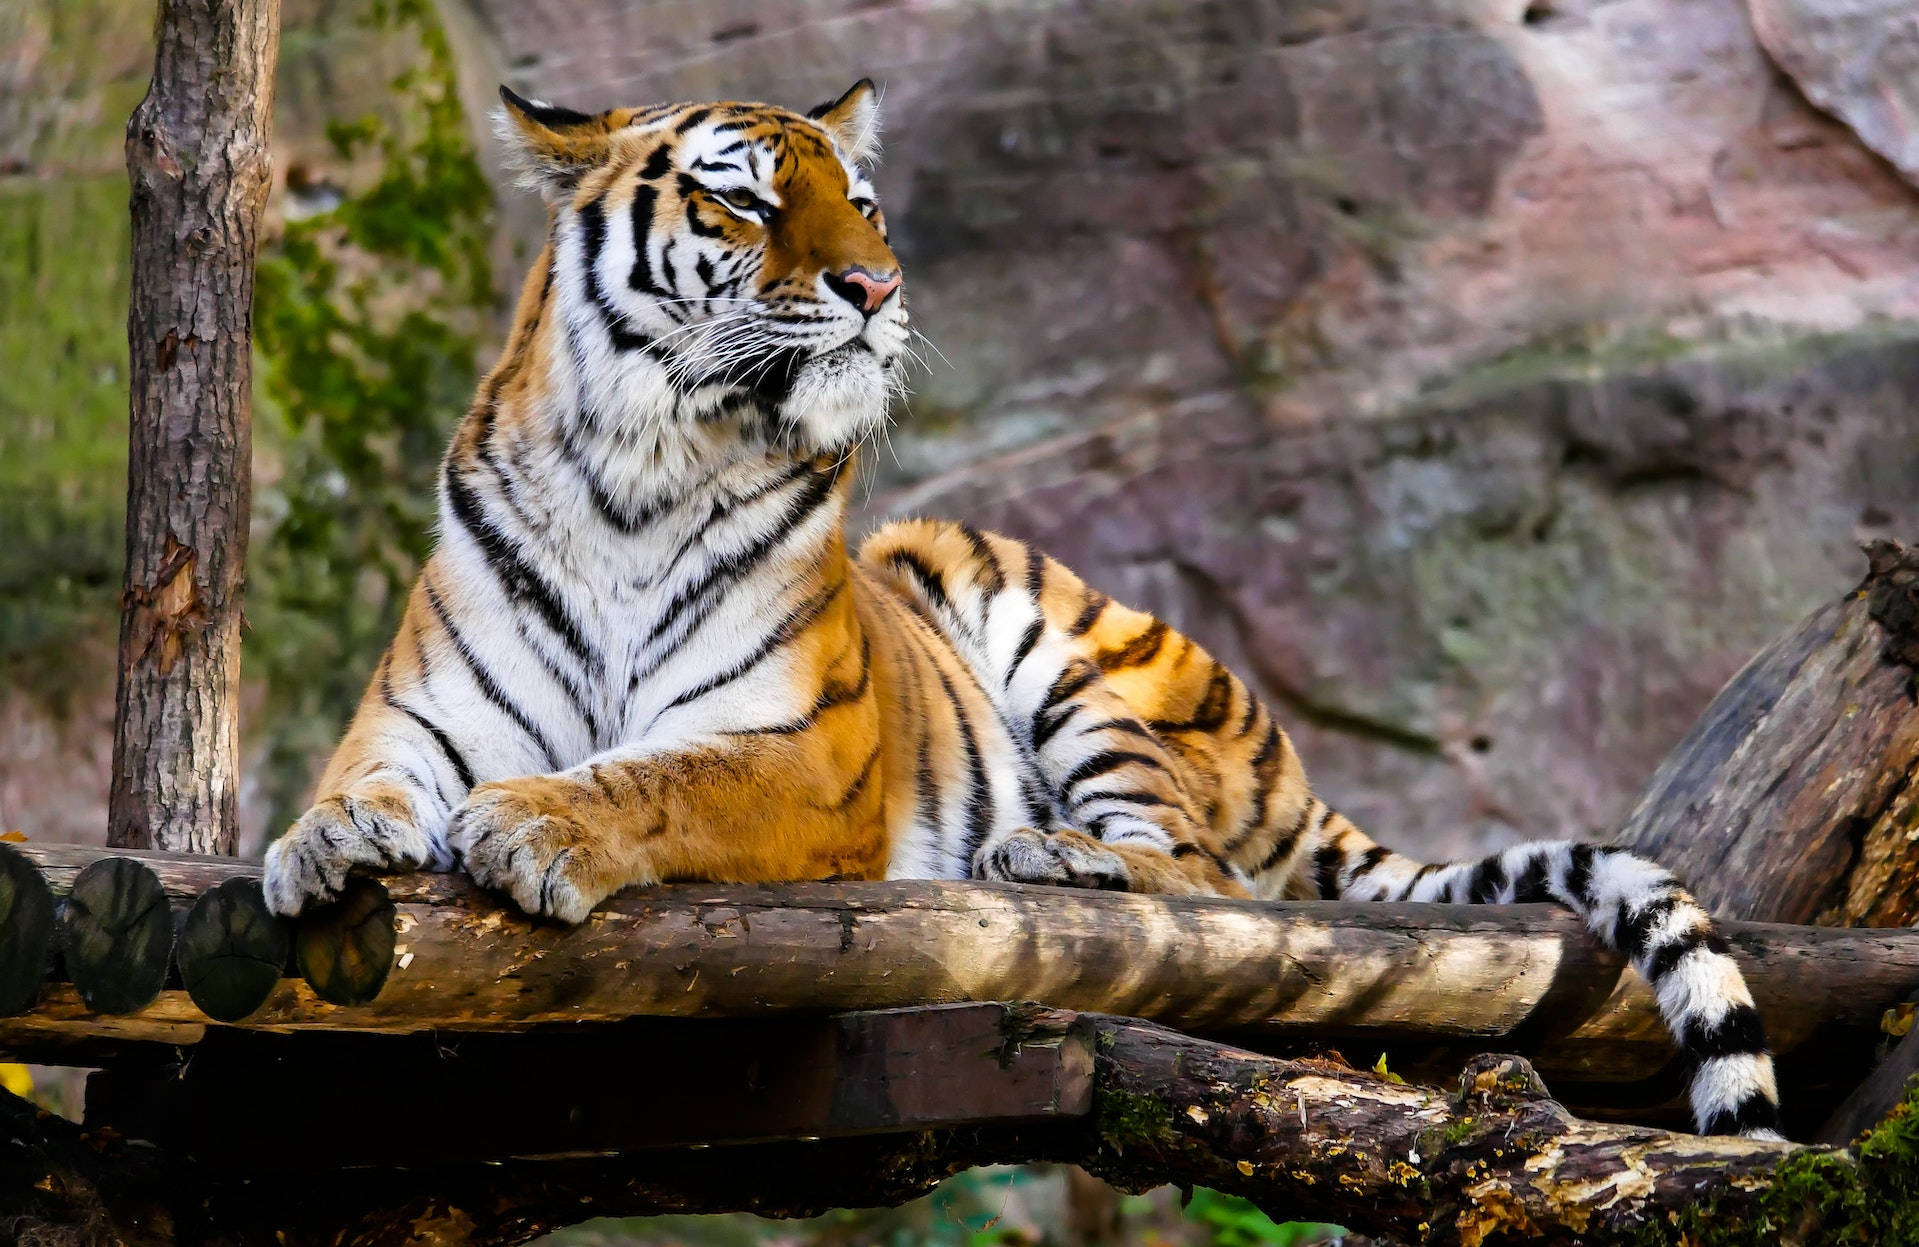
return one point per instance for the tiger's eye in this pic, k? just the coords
(744, 200)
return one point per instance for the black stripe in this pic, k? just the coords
(1137, 652)
(1105, 762)
(593, 224)
(1419, 876)
(1096, 602)
(1326, 864)
(1284, 845)
(1755, 1112)
(1263, 761)
(1027, 641)
(1532, 887)
(979, 806)
(1487, 879)
(1632, 929)
(860, 782)
(1252, 712)
(642, 277)
(701, 592)
(440, 738)
(1370, 859)
(1214, 706)
(1579, 878)
(1124, 798)
(1035, 574)
(796, 621)
(658, 163)
(1128, 727)
(1076, 676)
(484, 678)
(991, 576)
(1045, 726)
(1666, 958)
(930, 582)
(1738, 1033)
(516, 575)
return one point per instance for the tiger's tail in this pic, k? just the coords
(1634, 906)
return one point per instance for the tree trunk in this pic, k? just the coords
(199, 165)
(1793, 799)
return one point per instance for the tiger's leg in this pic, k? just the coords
(382, 802)
(743, 809)
(1132, 819)
(1118, 787)
(1635, 907)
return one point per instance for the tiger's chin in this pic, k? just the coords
(838, 397)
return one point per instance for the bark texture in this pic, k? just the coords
(1794, 797)
(1449, 977)
(199, 164)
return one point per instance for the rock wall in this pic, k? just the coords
(1486, 379)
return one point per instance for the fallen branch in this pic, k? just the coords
(1301, 1138)
(1792, 799)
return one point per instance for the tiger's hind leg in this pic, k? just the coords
(1127, 816)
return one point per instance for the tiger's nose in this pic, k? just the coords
(864, 290)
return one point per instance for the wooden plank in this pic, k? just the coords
(1525, 978)
(247, 1101)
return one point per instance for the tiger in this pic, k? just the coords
(640, 650)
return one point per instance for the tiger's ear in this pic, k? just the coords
(552, 146)
(854, 121)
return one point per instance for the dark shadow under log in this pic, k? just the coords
(1494, 1160)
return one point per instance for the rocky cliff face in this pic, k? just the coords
(1485, 378)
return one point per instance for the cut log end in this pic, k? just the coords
(345, 950)
(117, 935)
(232, 950)
(26, 931)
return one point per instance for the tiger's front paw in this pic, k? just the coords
(1070, 859)
(537, 840)
(309, 864)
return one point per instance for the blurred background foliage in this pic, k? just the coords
(372, 302)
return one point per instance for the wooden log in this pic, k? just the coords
(232, 950)
(26, 930)
(1794, 797)
(345, 950)
(1493, 1161)
(199, 163)
(574, 1090)
(1524, 976)
(116, 935)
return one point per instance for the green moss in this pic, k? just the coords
(1868, 1195)
(1126, 1120)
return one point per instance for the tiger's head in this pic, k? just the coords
(730, 256)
